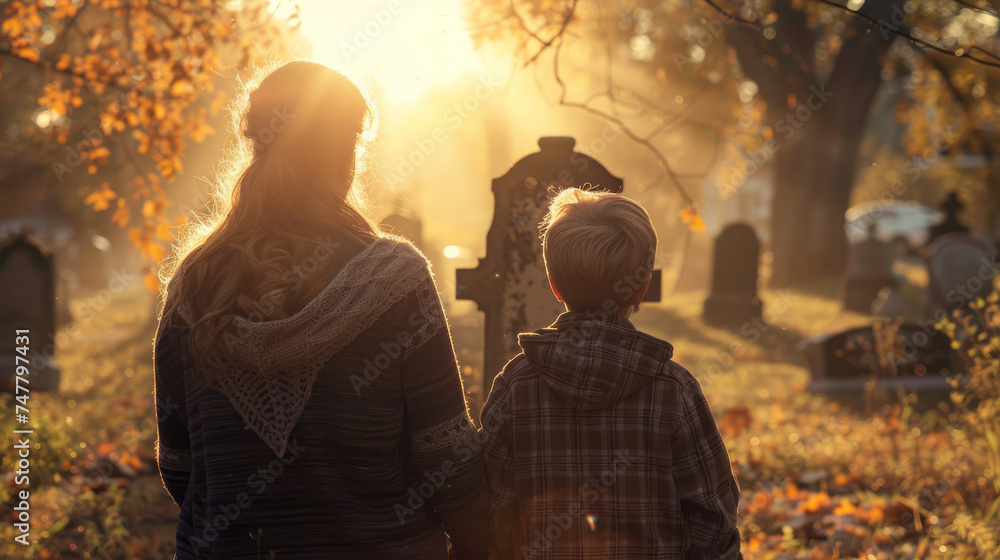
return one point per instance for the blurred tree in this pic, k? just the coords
(102, 97)
(804, 74)
(965, 100)
(817, 77)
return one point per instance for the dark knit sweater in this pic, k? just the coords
(382, 462)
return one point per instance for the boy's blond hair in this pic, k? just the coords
(598, 248)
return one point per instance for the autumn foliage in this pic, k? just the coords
(128, 86)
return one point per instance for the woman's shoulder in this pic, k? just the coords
(400, 246)
(398, 253)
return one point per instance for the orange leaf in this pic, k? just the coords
(845, 508)
(100, 198)
(12, 26)
(816, 502)
(691, 217)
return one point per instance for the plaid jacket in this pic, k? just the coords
(597, 445)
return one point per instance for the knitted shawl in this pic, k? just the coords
(270, 366)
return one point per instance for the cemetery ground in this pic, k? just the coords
(870, 477)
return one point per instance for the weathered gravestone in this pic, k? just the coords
(733, 300)
(912, 359)
(868, 271)
(400, 225)
(960, 268)
(27, 302)
(510, 285)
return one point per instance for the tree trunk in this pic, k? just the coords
(807, 221)
(813, 181)
(814, 168)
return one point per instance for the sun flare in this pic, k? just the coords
(405, 47)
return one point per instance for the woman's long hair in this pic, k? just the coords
(302, 132)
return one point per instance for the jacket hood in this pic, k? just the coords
(270, 365)
(594, 360)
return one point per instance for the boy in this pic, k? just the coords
(598, 445)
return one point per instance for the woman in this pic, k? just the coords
(308, 398)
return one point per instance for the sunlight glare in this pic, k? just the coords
(406, 48)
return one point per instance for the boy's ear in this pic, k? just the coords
(640, 293)
(556, 292)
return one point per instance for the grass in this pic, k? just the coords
(819, 478)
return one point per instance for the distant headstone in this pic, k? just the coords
(400, 225)
(869, 270)
(510, 285)
(960, 268)
(951, 206)
(27, 302)
(733, 300)
(844, 362)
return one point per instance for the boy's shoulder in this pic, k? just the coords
(677, 374)
(672, 373)
(517, 368)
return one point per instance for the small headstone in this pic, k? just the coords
(960, 268)
(844, 362)
(27, 303)
(951, 206)
(869, 270)
(733, 300)
(510, 284)
(400, 225)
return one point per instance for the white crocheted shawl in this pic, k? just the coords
(271, 366)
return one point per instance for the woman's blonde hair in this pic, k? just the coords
(285, 188)
(598, 248)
